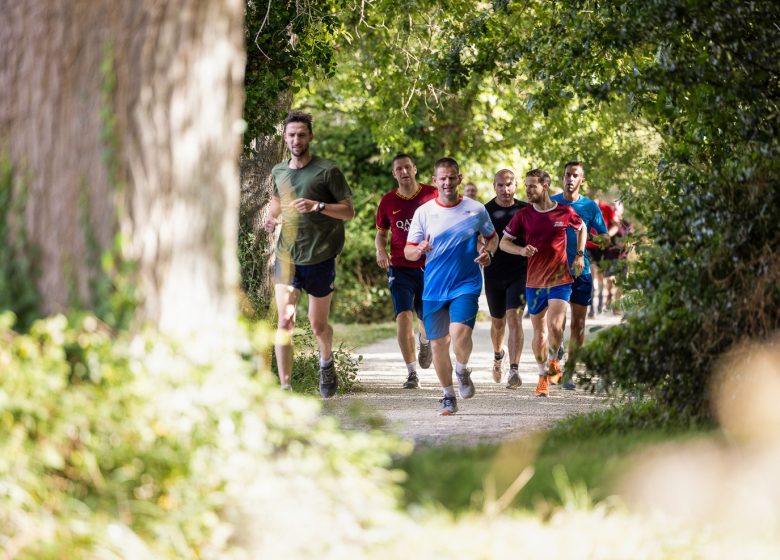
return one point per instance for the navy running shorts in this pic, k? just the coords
(317, 280)
(406, 289)
(582, 290)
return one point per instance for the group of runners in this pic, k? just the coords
(441, 245)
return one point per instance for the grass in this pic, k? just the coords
(355, 335)
(579, 459)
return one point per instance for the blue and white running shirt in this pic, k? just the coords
(450, 270)
(589, 211)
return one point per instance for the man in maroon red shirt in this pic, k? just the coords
(548, 284)
(405, 277)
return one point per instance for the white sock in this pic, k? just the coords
(449, 391)
(411, 366)
(422, 341)
(286, 387)
(326, 363)
(460, 368)
(540, 366)
(552, 353)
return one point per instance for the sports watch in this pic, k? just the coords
(320, 207)
(580, 253)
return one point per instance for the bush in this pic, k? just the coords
(122, 447)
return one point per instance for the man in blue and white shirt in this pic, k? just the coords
(456, 236)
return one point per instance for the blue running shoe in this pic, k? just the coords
(449, 406)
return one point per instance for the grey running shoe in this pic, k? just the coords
(498, 367)
(449, 406)
(514, 380)
(465, 384)
(329, 381)
(412, 382)
(425, 356)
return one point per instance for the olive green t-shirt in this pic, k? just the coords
(309, 238)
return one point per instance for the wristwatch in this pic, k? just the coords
(580, 253)
(492, 255)
(320, 206)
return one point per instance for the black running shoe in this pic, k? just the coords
(329, 381)
(425, 355)
(412, 382)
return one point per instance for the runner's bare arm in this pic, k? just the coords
(380, 242)
(274, 211)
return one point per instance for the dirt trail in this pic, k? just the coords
(494, 414)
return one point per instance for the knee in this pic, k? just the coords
(319, 328)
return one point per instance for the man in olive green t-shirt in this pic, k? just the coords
(311, 200)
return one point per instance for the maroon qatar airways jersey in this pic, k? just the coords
(395, 213)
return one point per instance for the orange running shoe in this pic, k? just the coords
(554, 372)
(542, 390)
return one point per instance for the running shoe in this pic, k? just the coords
(449, 406)
(569, 385)
(412, 382)
(542, 389)
(329, 381)
(514, 380)
(554, 372)
(424, 355)
(498, 367)
(465, 384)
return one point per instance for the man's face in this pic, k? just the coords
(405, 172)
(298, 138)
(534, 190)
(470, 191)
(572, 179)
(505, 186)
(447, 180)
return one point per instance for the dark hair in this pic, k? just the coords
(574, 164)
(298, 116)
(539, 174)
(402, 155)
(446, 162)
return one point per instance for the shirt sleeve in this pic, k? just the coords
(598, 223)
(575, 221)
(514, 228)
(487, 229)
(337, 184)
(382, 220)
(417, 229)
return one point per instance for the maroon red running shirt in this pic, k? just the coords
(545, 230)
(395, 213)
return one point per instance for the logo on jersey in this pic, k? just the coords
(395, 212)
(559, 224)
(404, 224)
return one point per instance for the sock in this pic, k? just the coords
(423, 342)
(326, 363)
(513, 366)
(411, 366)
(499, 355)
(449, 391)
(552, 354)
(540, 366)
(286, 387)
(460, 368)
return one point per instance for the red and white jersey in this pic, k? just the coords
(545, 230)
(395, 213)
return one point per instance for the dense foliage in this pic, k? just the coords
(672, 104)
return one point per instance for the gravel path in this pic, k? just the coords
(494, 414)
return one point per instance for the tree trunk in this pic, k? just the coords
(256, 188)
(124, 117)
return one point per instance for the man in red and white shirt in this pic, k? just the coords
(549, 282)
(404, 277)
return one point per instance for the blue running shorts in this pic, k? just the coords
(538, 297)
(438, 315)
